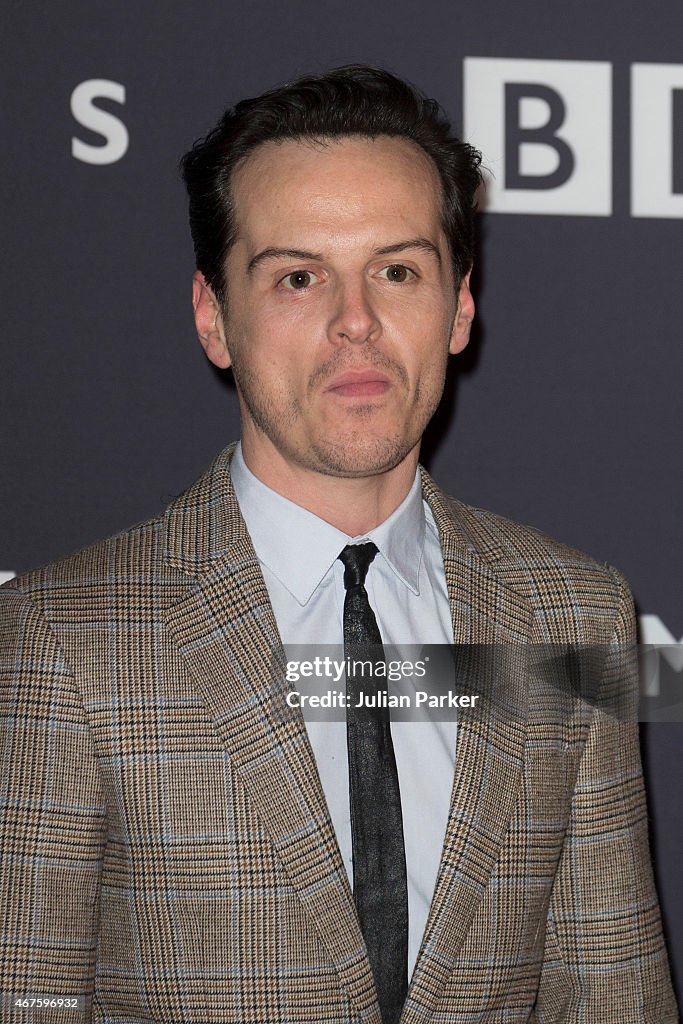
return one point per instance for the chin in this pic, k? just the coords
(361, 457)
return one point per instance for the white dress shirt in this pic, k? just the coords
(406, 586)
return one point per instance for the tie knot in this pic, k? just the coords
(356, 559)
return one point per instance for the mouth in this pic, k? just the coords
(363, 384)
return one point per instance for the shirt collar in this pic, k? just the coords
(312, 545)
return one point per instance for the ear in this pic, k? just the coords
(209, 323)
(464, 316)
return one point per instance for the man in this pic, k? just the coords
(175, 847)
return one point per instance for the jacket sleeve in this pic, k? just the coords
(605, 958)
(52, 814)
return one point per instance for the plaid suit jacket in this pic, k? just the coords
(166, 845)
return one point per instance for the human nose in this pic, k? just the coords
(354, 318)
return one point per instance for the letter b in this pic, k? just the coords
(545, 131)
(545, 135)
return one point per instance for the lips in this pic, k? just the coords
(363, 384)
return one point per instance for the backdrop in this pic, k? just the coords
(564, 412)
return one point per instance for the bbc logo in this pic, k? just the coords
(545, 130)
(543, 126)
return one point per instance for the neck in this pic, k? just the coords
(354, 505)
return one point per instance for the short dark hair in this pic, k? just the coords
(355, 99)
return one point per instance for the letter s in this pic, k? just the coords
(90, 116)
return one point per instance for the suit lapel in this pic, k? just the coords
(491, 625)
(226, 631)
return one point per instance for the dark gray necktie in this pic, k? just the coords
(380, 887)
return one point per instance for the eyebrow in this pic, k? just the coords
(274, 253)
(277, 254)
(412, 243)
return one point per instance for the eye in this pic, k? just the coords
(397, 273)
(298, 280)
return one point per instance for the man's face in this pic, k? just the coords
(341, 308)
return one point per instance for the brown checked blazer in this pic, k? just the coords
(167, 851)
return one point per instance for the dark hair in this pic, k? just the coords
(352, 100)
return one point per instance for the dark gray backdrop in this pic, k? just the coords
(565, 411)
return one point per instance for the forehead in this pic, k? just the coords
(384, 184)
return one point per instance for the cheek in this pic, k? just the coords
(430, 382)
(427, 350)
(258, 345)
(420, 326)
(285, 333)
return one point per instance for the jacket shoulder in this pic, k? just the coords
(155, 557)
(499, 538)
(97, 567)
(561, 583)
